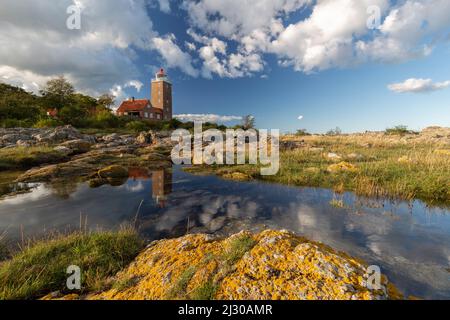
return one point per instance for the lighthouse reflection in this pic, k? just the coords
(161, 182)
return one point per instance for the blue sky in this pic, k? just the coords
(275, 60)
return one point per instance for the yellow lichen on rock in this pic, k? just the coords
(268, 265)
(342, 167)
(238, 176)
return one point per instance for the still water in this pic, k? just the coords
(409, 241)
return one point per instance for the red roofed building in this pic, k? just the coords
(158, 108)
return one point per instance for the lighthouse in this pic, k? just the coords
(162, 94)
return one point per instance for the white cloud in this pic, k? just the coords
(191, 46)
(334, 34)
(173, 55)
(228, 18)
(135, 84)
(207, 117)
(164, 5)
(36, 45)
(326, 38)
(35, 41)
(418, 86)
(300, 117)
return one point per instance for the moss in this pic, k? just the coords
(27, 157)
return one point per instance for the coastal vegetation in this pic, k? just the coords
(266, 265)
(40, 267)
(379, 165)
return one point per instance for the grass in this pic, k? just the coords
(41, 267)
(26, 157)
(206, 291)
(179, 288)
(422, 173)
(237, 248)
(4, 251)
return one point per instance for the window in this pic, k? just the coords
(158, 116)
(151, 115)
(146, 114)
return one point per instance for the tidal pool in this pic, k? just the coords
(408, 240)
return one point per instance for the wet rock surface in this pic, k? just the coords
(81, 155)
(267, 265)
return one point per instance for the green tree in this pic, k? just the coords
(106, 100)
(58, 93)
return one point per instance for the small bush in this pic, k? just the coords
(138, 126)
(41, 268)
(398, 130)
(334, 132)
(48, 123)
(14, 123)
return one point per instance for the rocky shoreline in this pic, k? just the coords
(270, 265)
(75, 155)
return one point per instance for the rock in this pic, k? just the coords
(291, 144)
(342, 167)
(333, 156)
(59, 134)
(268, 265)
(14, 137)
(146, 137)
(63, 149)
(355, 156)
(23, 143)
(238, 176)
(111, 137)
(77, 146)
(113, 172)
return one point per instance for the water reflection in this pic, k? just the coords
(409, 241)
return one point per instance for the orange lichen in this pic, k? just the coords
(268, 265)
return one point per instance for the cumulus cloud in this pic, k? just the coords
(135, 84)
(332, 33)
(300, 117)
(418, 86)
(207, 117)
(36, 45)
(173, 55)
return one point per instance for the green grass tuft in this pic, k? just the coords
(41, 268)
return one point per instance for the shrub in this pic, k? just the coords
(48, 123)
(138, 126)
(334, 132)
(398, 130)
(15, 123)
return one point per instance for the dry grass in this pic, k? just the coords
(386, 166)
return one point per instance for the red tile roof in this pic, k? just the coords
(137, 105)
(133, 105)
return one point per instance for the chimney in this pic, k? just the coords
(132, 99)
